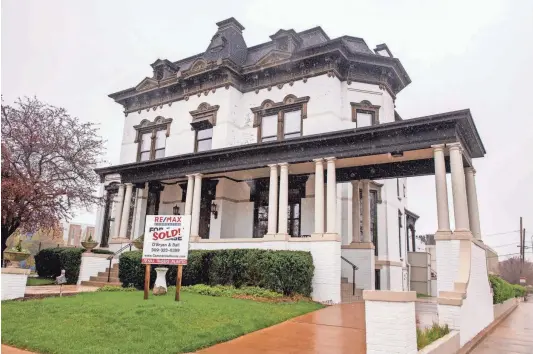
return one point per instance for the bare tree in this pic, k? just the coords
(512, 269)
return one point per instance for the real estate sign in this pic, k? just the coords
(166, 239)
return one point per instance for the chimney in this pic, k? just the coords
(230, 23)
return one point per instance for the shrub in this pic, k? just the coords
(286, 272)
(503, 290)
(230, 291)
(110, 288)
(50, 261)
(102, 251)
(427, 336)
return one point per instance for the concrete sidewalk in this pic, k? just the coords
(513, 335)
(53, 290)
(334, 330)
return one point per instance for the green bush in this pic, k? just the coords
(50, 261)
(503, 290)
(427, 336)
(111, 288)
(286, 272)
(231, 291)
(102, 251)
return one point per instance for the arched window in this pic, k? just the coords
(151, 138)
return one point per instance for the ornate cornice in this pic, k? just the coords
(276, 69)
(204, 116)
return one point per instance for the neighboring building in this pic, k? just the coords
(240, 138)
(75, 233)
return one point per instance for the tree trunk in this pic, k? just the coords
(7, 230)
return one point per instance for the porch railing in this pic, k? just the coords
(354, 268)
(110, 258)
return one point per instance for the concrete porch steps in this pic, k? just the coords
(347, 295)
(101, 279)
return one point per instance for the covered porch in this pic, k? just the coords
(283, 194)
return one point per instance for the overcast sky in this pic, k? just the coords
(459, 54)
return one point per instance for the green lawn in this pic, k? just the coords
(122, 322)
(39, 281)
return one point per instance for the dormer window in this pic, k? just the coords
(365, 114)
(151, 138)
(282, 120)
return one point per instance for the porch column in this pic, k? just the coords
(126, 211)
(473, 208)
(356, 213)
(197, 198)
(443, 215)
(366, 211)
(189, 195)
(273, 200)
(283, 198)
(460, 203)
(319, 196)
(332, 196)
(117, 213)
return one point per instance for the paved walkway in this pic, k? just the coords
(334, 330)
(513, 335)
(53, 290)
(6, 349)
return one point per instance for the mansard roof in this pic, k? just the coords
(292, 55)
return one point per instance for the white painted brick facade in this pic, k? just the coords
(477, 311)
(91, 264)
(390, 327)
(396, 279)
(426, 312)
(13, 285)
(447, 264)
(364, 259)
(326, 259)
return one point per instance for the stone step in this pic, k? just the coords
(104, 279)
(99, 283)
(104, 274)
(349, 299)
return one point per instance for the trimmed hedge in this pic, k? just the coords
(50, 261)
(286, 272)
(102, 251)
(503, 290)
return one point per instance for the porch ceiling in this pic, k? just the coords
(362, 153)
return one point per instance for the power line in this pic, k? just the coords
(505, 255)
(501, 233)
(507, 244)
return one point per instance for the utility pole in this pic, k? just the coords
(521, 242)
(523, 246)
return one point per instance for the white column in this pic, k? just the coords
(117, 213)
(356, 213)
(189, 195)
(332, 196)
(473, 208)
(443, 215)
(366, 211)
(460, 203)
(283, 198)
(273, 200)
(125, 212)
(319, 196)
(197, 198)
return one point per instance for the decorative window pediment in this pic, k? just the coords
(151, 138)
(204, 117)
(365, 113)
(289, 103)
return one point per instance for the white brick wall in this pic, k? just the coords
(426, 312)
(447, 264)
(396, 279)
(477, 311)
(390, 327)
(13, 284)
(326, 258)
(364, 259)
(91, 264)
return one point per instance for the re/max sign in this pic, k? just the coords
(158, 234)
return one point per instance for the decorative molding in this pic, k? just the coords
(159, 123)
(289, 103)
(365, 107)
(205, 116)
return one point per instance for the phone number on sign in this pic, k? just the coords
(163, 261)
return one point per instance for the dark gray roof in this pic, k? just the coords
(228, 43)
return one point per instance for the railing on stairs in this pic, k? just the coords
(354, 268)
(110, 258)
